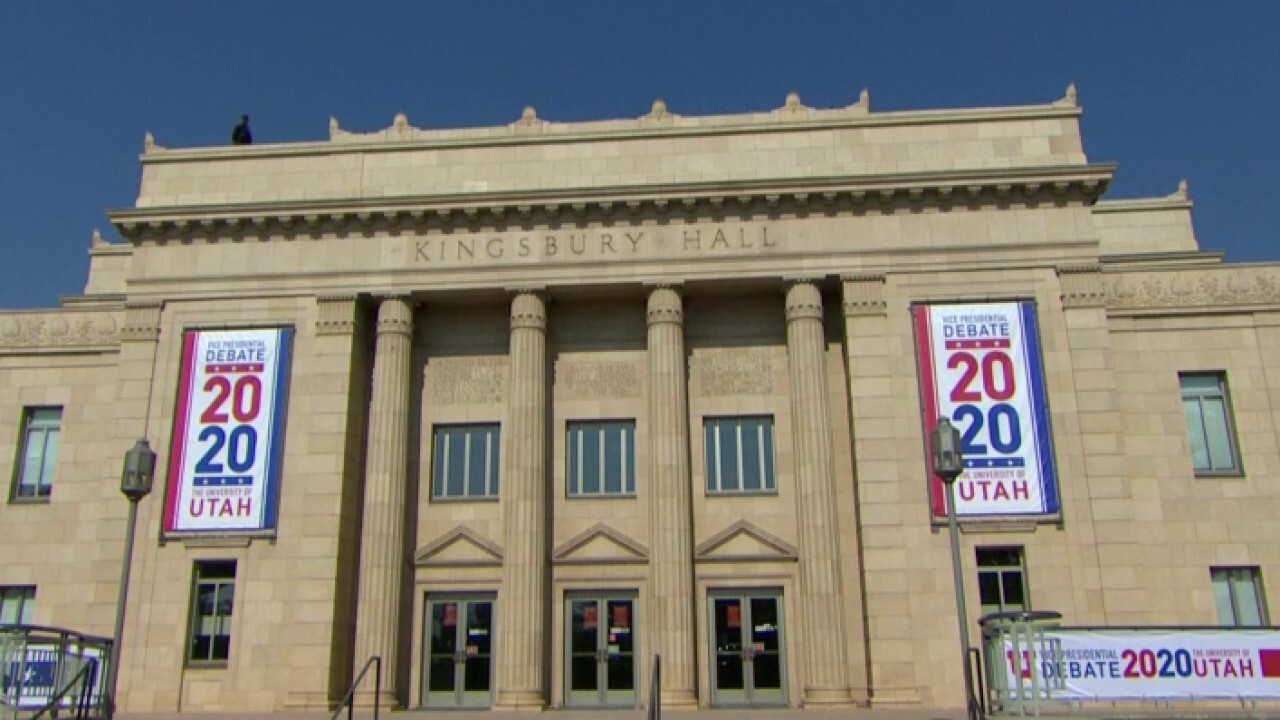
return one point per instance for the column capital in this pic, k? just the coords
(529, 310)
(864, 294)
(1082, 286)
(395, 314)
(804, 300)
(665, 305)
(336, 314)
(142, 320)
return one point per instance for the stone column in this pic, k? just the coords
(522, 617)
(671, 616)
(386, 461)
(821, 599)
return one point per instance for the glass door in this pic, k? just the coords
(747, 652)
(600, 663)
(459, 652)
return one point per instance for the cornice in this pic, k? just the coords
(852, 194)
(791, 117)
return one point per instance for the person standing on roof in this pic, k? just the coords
(240, 135)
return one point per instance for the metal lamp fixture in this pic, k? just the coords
(139, 471)
(135, 483)
(948, 464)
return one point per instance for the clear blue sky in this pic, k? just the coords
(1170, 89)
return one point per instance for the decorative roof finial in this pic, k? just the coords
(401, 122)
(1070, 98)
(1183, 192)
(793, 101)
(528, 116)
(96, 239)
(659, 108)
(333, 126)
(864, 98)
(148, 142)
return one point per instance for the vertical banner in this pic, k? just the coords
(980, 366)
(228, 430)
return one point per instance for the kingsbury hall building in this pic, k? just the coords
(518, 408)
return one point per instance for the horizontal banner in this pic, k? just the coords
(1151, 665)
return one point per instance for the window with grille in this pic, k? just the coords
(601, 458)
(1214, 450)
(213, 599)
(739, 454)
(38, 453)
(1237, 591)
(1002, 580)
(464, 462)
(16, 604)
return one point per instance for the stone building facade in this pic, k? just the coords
(679, 359)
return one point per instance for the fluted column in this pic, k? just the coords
(826, 673)
(670, 504)
(386, 458)
(522, 620)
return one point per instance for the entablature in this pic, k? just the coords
(886, 193)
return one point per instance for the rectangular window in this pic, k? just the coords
(38, 453)
(1002, 580)
(739, 453)
(1209, 425)
(465, 462)
(213, 598)
(602, 457)
(1238, 594)
(16, 604)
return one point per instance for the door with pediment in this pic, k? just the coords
(458, 649)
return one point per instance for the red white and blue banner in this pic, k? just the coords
(980, 366)
(228, 430)
(1150, 664)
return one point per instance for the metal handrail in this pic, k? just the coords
(655, 690)
(348, 699)
(85, 676)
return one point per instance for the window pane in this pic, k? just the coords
(1248, 610)
(495, 457)
(31, 459)
(50, 460)
(613, 458)
(767, 425)
(728, 459)
(574, 461)
(989, 589)
(751, 466)
(590, 459)
(1222, 598)
(1217, 434)
(476, 462)
(1200, 383)
(1195, 432)
(457, 463)
(438, 465)
(629, 450)
(1014, 595)
(709, 449)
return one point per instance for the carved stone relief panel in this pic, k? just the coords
(58, 330)
(459, 381)
(597, 379)
(733, 371)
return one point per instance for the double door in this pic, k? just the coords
(600, 650)
(459, 647)
(748, 654)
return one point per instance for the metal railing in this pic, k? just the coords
(655, 690)
(349, 699)
(40, 666)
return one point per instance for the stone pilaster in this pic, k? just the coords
(378, 619)
(670, 503)
(826, 678)
(522, 601)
